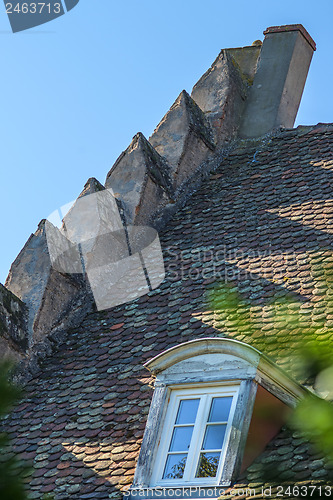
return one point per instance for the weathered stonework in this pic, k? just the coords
(95, 212)
(184, 138)
(91, 186)
(140, 180)
(278, 85)
(55, 301)
(149, 176)
(221, 93)
(13, 325)
(246, 60)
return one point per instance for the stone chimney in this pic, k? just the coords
(278, 85)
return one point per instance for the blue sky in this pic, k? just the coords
(75, 91)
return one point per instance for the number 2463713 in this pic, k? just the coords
(33, 8)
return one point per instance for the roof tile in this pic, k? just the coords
(263, 220)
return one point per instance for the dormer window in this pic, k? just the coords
(196, 435)
(206, 391)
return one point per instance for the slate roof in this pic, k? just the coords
(263, 218)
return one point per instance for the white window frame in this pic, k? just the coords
(206, 394)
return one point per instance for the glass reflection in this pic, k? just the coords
(175, 466)
(220, 409)
(181, 438)
(208, 464)
(214, 437)
(187, 411)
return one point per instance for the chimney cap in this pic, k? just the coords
(292, 27)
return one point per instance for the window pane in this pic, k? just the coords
(181, 438)
(220, 409)
(214, 436)
(208, 464)
(187, 411)
(174, 467)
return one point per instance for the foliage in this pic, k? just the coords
(177, 469)
(207, 467)
(12, 471)
(314, 418)
(308, 353)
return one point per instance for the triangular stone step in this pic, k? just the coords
(140, 180)
(91, 186)
(222, 90)
(54, 300)
(184, 137)
(95, 212)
